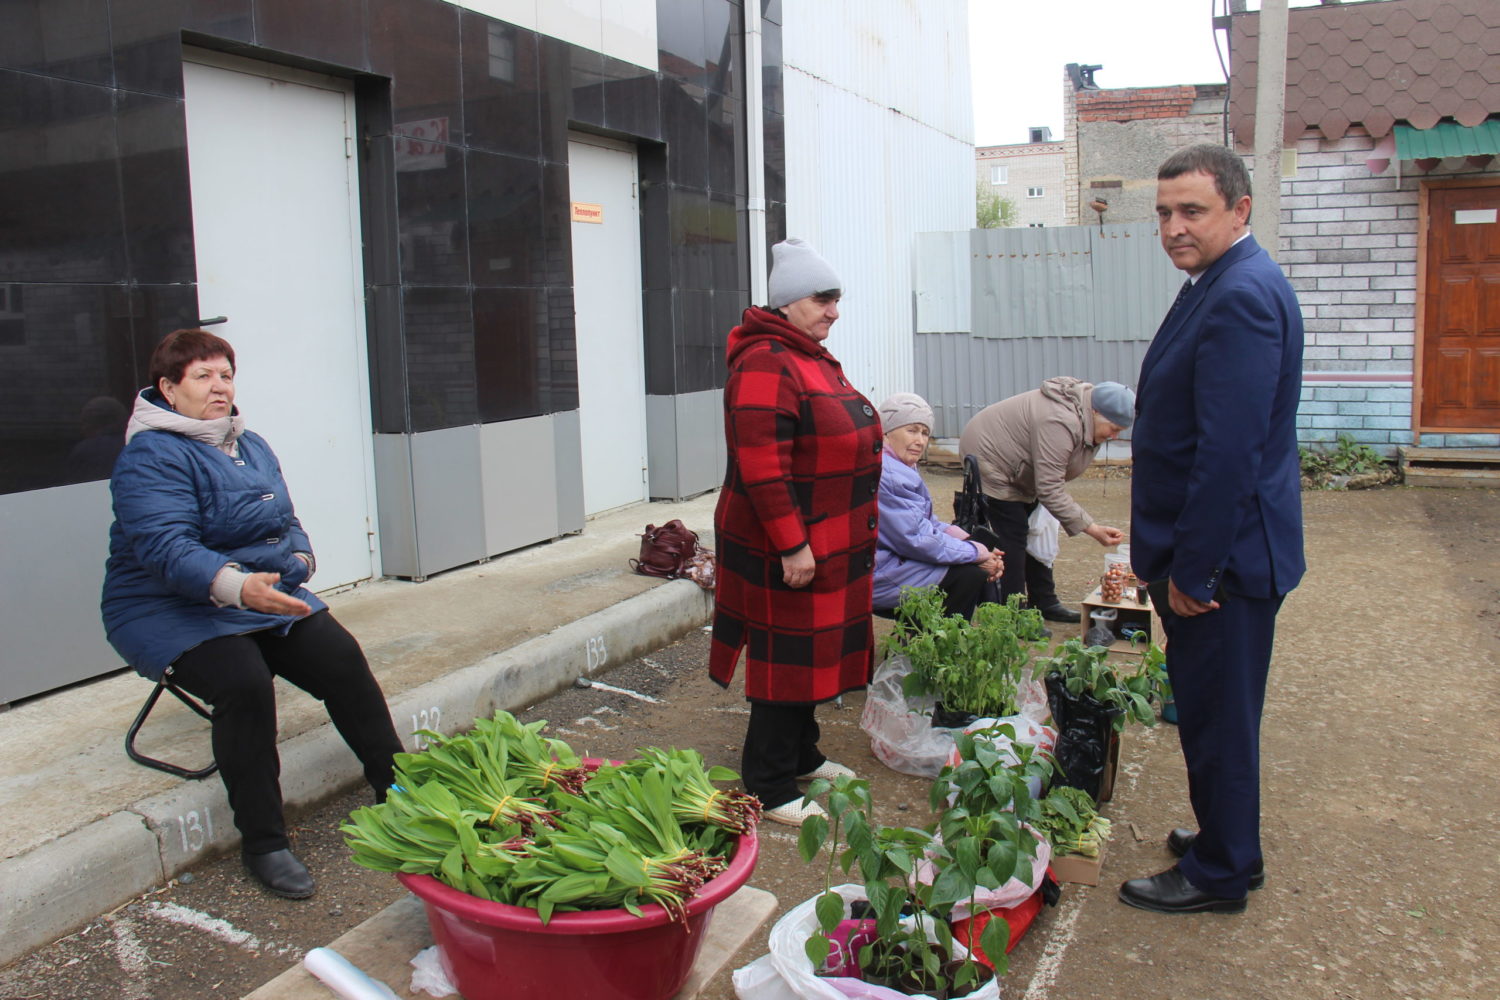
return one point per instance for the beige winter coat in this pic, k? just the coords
(1030, 445)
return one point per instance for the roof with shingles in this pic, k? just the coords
(1375, 64)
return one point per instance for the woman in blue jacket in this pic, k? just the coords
(204, 582)
(915, 549)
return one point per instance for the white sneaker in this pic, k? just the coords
(828, 770)
(793, 813)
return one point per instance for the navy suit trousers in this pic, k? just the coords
(1218, 663)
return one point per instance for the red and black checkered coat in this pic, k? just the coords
(804, 469)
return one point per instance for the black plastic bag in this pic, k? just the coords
(945, 718)
(1085, 729)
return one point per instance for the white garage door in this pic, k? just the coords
(276, 227)
(607, 300)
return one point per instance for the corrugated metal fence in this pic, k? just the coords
(999, 310)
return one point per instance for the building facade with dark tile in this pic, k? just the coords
(460, 140)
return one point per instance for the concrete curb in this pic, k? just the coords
(58, 887)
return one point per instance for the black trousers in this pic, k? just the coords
(781, 742)
(963, 588)
(1024, 574)
(234, 675)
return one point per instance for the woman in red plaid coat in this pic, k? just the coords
(795, 529)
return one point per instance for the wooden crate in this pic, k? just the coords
(1131, 612)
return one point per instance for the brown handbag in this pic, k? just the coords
(672, 552)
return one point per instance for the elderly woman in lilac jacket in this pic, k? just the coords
(915, 549)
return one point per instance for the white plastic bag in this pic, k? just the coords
(1016, 890)
(1028, 730)
(1031, 701)
(795, 972)
(1042, 536)
(429, 976)
(901, 731)
(903, 737)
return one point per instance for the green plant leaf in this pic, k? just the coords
(811, 836)
(830, 911)
(951, 886)
(994, 939)
(817, 948)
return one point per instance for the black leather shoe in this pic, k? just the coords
(281, 872)
(1059, 613)
(1180, 839)
(1171, 892)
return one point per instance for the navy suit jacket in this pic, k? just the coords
(1215, 495)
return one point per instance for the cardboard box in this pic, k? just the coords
(1077, 869)
(1130, 612)
(1111, 770)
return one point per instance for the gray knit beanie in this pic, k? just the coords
(797, 271)
(904, 408)
(1115, 403)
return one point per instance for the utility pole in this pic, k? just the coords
(1270, 115)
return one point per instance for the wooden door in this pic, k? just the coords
(1461, 328)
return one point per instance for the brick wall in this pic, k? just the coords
(1349, 246)
(1070, 148)
(1134, 103)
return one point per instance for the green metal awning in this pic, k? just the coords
(1447, 139)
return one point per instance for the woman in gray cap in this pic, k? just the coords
(915, 548)
(794, 529)
(1028, 447)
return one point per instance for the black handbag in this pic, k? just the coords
(968, 507)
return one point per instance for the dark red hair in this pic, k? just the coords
(181, 348)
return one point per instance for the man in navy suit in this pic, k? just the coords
(1216, 513)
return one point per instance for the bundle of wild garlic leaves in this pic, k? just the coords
(506, 814)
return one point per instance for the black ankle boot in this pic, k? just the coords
(281, 872)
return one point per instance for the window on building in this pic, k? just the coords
(999, 174)
(502, 52)
(1043, 134)
(1036, 225)
(1035, 192)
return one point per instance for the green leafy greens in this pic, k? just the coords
(505, 814)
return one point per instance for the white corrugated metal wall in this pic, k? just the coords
(879, 147)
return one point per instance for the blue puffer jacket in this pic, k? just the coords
(913, 548)
(183, 509)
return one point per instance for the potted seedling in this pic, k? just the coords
(1092, 699)
(972, 669)
(547, 875)
(914, 878)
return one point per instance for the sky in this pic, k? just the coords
(1018, 49)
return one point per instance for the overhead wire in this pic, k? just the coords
(1213, 14)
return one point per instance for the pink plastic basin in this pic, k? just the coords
(492, 951)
